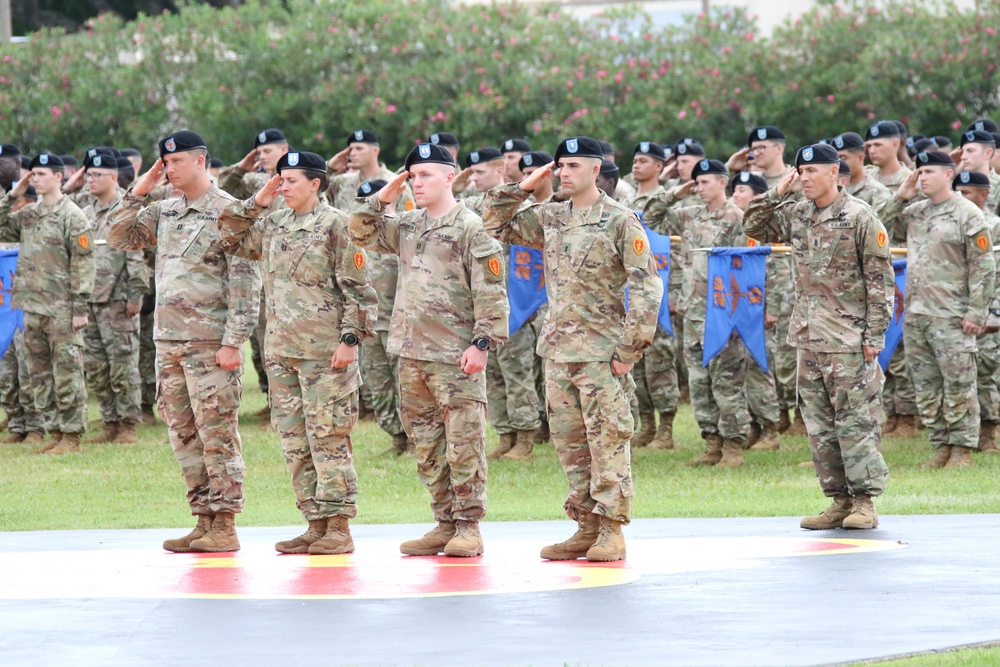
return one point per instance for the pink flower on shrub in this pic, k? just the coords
(681, 115)
(391, 108)
(56, 112)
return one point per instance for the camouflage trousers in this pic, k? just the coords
(258, 353)
(111, 361)
(762, 391)
(717, 390)
(314, 408)
(15, 389)
(842, 410)
(444, 414)
(677, 320)
(898, 394)
(513, 403)
(55, 366)
(942, 363)
(200, 402)
(655, 375)
(539, 364)
(782, 358)
(147, 360)
(988, 376)
(591, 425)
(380, 373)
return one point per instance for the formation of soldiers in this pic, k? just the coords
(361, 287)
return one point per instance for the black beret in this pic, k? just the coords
(754, 181)
(689, 147)
(30, 193)
(942, 141)
(606, 146)
(301, 160)
(977, 137)
(271, 136)
(609, 169)
(925, 144)
(9, 150)
(125, 167)
(443, 139)
(99, 150)
(101, 161)
(47, 160)
(845, 169)
(848, 141)
(707, 167)
(983, 124)
(483, 155)
(362, 137)
(996, 138)
(515, 146)
(651, 149)
(430, 154)
(816, 154)
(763, 133)
(179, 142)
(913, 138)
(580, 147)
(371, 187)
(69, 161)
(884, 129)
(973, 179)
(934, 158)
(214, 162)
(534, 159)
(25, 162)
(901, 126)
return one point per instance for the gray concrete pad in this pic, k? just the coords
(692, 592)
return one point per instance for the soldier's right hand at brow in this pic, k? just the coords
(22, 186)
(908, 190)
(537, 177)
(249, 161)
(338, 163)
(785, 184)
(394, 189)
(148, 181)
(268, 192)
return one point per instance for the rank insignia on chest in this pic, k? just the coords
(494, 265)
(638, 245)
(982, 242)
(881, 239)
(359, 259)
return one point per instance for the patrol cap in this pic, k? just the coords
(101, 161)
(483, 155)
(534, 159)
(974, 179)
(180, 142)
(362, 137)
(271, 136)
(429, 154)
(609, 169)
(706, 167)
(443, 139)
(848, 141)
(46, 160)
(514, 146)
(69, 161)
(689, 147)
(9, 150)
(983, 124)
(817, 154)
(651, 149)
(754, 181)
(934, 158)
(884, 129)
(845, 169)
(765, 133)
(301, 160)
(580, 147)
(371, 187)
(978, 137)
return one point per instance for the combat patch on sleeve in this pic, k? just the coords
(359, 259)
(487, 251)
(637, 248)
(982, 242)
(752, 243)
(84, 243)
(878, 241)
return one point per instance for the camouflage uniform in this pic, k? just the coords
(761, 388)
(15, 390)
(950, 274)
(147, 348)
(379, 368)
(204, 300)
(892, 182)
(993, 201)
(55, 275)
(988, 346)
(344, 187)
(843, 300)
(111, 339)
(316, 290)
(591, 255)
(452, 290)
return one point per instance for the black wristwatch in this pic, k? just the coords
(350, 339)
(482, 343)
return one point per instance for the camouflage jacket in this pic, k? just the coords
(843, 274)
(55, 268)
(655, 216)
(120, 276)
(343, 190)
(637, 202)
(201, 292)
(882, 200)
(892, 182)
(591, 256)
(452, 287)
(245, 184)
(993, 201)
(950, 267)
(315, 279)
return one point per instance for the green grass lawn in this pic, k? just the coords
(967, 657)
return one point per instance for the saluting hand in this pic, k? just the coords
(394, 189)
(249, 161)
(537, 177)
(686, 190)
(786, 184)
(338, 163)
(908, 190)
(462, 180)
(956, 156)
(267, 194)
(22, 186)
(75, 182)
(148, 181)
(739, 161)
(669, 169)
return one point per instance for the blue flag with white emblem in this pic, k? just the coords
(659, 246)
(895, 331)
(10, 320)
(525, 285)
(736, 301)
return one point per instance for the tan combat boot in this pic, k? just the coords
(941, 457)
(468, 541)
(524, 443)
(543, 434)
(863, 515)
(220, 537)
(579, 543)
(732, 455)
(55, 437)
(832, 517)
(647, 430)
(34, 438)
(988, 438)
(798, 426)
(107, 434)
(300, 544)
(432, 543)
(399, 444)
(783, 421)
(664, 433)
(610, 544)
(148, 416)
(506, 444)
(69, 443)
(713, 452)
(961, 457)
(754, 436)
(15, 438)
(906, 427)
(182, 545)
(890, 424)
(336, 540)
(768, 438)
(127, 435)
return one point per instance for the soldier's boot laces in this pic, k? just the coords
(610, 544)
(732, 455)
(664, 433)
(713, 452)
(300, 544)
(988, 438)
(127, 435)
(467, 541)
(69, 443)
(432, 543)
(221, 537)
(107, 434)
(647, 430)
(579, 543)
(961, 457)
(182, 545)
(906, 427)
(863, 515)
(55, 436)
(768, 438)
(336, 540)
(830, 518)
(524, 444)
(798, 426)
(506, 444)
(941, 457)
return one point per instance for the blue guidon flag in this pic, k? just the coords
(659, 247)
(736, 301)
(525, 285)
(10, 320)
(895, 331)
